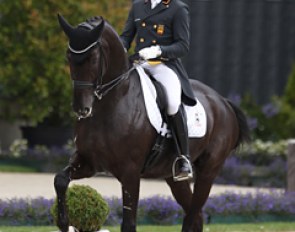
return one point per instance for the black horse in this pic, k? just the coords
(113, 132)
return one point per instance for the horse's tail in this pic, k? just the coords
(244, 130)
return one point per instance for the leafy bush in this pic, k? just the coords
(272, 121)
(86, 208)
(286, 103)
(34, 76)
(262, 119)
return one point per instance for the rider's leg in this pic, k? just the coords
(168, 78)
(180, 135)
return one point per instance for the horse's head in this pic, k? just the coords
(84, 55)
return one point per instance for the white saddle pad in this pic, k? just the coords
(196, 116)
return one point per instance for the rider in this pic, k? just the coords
(161, 28)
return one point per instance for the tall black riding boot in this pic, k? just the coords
(180, 136)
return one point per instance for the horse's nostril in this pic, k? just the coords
(86, 110)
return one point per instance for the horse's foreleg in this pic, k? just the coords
(130, 192)
(61, 183)
(76, 170)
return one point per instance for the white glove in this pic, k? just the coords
(72, 229)
(150, 52)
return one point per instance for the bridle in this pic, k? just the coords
(100, 89)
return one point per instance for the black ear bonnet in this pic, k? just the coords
(82, 38)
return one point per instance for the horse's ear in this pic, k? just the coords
(67, 28)
(96, 32)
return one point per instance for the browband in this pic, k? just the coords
(83, 50)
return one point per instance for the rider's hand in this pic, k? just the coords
(150, 52)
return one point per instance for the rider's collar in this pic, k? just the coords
(166, 2)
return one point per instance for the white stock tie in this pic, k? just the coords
(154, 3)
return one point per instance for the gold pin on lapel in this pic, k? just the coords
(166, 2)
(160, 29)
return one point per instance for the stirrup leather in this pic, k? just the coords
(181, 178)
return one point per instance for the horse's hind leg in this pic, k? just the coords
(182, 193)
(76, 170)
(207, 169)
(184, 197)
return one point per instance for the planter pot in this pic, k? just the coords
(47, 135)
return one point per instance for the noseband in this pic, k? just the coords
(88, 84)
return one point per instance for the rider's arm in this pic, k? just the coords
(180, 45)
(129, 31)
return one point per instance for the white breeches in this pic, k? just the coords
(168, 78)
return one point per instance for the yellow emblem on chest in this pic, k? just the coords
(160, 29)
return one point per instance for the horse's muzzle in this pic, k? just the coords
(84, 113)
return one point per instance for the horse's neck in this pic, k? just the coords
(117, 59)
(116, 64)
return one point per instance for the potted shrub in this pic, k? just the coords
(86, 208)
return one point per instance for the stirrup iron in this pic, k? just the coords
(182, 178)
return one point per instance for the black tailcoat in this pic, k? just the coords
(167, 25)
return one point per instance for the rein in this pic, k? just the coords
(102, 90)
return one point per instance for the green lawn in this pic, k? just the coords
(261, 227)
